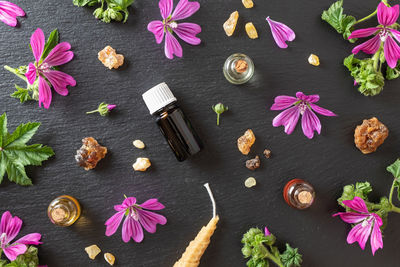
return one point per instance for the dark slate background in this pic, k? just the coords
(329, 161)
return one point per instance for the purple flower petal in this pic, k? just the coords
(184, 9)
(152, 204)
(266, 231)
(59, 55)
(387, 15)
(357, 204)
(10, 226)
(281, 33)
(187, 32)
(13, 251)
(37, 44)
(363, 32)
(351, 217)
(11, 8)
(368, 47)
(30, 239)
(60, 80)
(287, 118)
(132, 228)
(165, 8)
(149, 220)
(120, 207)
(44, 93)
(31, 73)
(360, 233)
(310, 123)
(114, 222)
(322, 111)
(376, 238)
(283, 101)
(157, 28)
(128, 202)
(392, 52)
(307, 98)
(396, 34)
(172, 46)
(8, 18)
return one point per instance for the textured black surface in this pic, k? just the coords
(329, 161)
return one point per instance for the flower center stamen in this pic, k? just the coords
(383, 35)
(3, 238)
(134, 214)
(302, 107)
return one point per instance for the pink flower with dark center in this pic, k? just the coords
(136, 217)
(9, 13)
(387, 17)
(366, 224)
(294, 107)
(186, 31)
(43, 68)
(9, 229)
(281, 33)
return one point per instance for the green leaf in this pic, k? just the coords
(394, 169)
(15, 154)
(3, 128)
(342, 23)
(28, 259)
(291, 257)
(22, 94)
(392, 74)
(52, 41)
(359, 190)
(81, 2)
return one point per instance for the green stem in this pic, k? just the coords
(93, 111)
(367, 17)
(393, 207)
(12, 70)
(276, 260)
(218, 119)
(375, 59)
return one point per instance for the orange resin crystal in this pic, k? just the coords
(90, 153)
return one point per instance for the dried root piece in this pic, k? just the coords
(141, 164)
(230, 24)
(139, 144)
(110, 58)
(110, 259)
(253, 164)
(92, 251)
(251, 30)
(245, 142)
(313, 60)
(248, 3)
(90, 153)
(370, 135)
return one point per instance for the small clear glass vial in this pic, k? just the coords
(176, 128)
(238, 68)
(64, 210)
(299, 194)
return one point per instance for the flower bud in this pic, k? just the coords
(98, 13)
(220, 108)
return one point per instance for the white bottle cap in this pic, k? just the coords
(158, 97)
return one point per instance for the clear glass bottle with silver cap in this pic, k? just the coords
(238, 68)
(171, 120)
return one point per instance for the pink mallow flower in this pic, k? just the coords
(136, 217)
(43, 68)
(366, 224)
(9, 229)
(294, 107)
(387, 16)
(9, 13)
(186, 31)
(281, 33)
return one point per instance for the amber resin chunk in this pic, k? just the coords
(230, 24)
(251, 30)
(370, 135)
(110, 58)
(90, 153)
(245, 142)
(248, 3)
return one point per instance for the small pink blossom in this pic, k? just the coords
(387, 16)
(366, 224)
(9, 229)
(136, 217)
(266, 231)
(185, 31)
(43, 68)
(111, 106)
(294, 107)
(9, 13)
(281, 33)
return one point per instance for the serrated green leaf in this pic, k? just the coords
(22, 94)
(291, 257)
(342, 23)
(15, 154)
(81, 2)
(52, 41)
(21, 135)
(394, 169)
(392, 74)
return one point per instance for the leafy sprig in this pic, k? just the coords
(259, 249)
(28, 259)
(15, 154)
(342, 23)
(116, 9)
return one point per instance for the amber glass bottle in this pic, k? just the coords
(299, 194)
(64, 210)
(174, 125)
